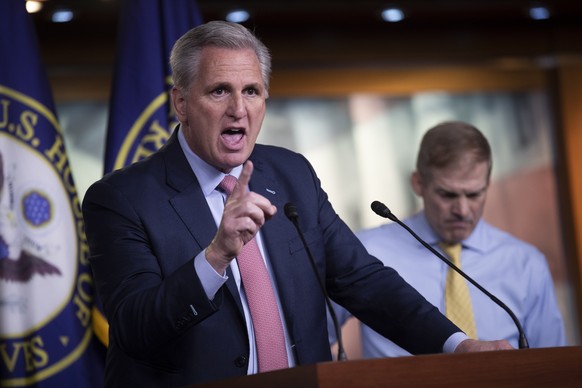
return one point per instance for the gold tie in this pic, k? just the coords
(458, 306)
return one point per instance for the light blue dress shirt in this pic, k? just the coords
(512, 270)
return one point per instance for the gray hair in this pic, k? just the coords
(185, 55)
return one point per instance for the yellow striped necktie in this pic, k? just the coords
(458, 307)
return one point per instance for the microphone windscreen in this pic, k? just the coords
(291, 211)
(380, 209)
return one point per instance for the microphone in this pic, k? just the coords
(293, 216)
(382, 210)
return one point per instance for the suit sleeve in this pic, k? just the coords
(359, 282)
(146, 302)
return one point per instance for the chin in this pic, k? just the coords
(231, 162)
(460, 237)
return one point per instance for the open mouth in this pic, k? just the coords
(233, 136)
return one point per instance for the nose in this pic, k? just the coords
(236, 106)
(461, 206)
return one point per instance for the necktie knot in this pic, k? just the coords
(453, 251)
(227, 184)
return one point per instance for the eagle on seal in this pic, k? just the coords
(27, 264)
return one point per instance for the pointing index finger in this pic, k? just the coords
(245, 177)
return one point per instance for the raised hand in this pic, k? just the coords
(245, 212)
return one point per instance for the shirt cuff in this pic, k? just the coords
(210, 279)
(453, 341)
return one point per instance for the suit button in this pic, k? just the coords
(241, 361)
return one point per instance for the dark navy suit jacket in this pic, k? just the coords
(146, 223)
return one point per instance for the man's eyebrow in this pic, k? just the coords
(219, 85)
(462, 192)
(447, 192)
(256, 85)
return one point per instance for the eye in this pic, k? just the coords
(219, 91)
(474, 195)
(447, 194)
(252, 92)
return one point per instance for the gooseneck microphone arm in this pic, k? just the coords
(293, 216)
(382, 210)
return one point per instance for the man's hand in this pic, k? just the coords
(245, 212)
(471, 345)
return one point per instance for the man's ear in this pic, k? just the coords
(417, 183)
(179, 104)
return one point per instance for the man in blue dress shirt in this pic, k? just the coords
(452, 177)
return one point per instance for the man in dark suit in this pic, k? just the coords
(166, 242)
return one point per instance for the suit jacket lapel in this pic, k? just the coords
(190, 203)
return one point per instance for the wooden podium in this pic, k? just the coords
(548, 367)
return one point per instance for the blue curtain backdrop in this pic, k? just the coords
(140, 115)
(46, 287)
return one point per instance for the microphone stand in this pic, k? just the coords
(293, 216)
